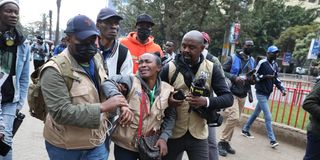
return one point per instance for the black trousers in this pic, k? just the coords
(37, 63)
(197, 149)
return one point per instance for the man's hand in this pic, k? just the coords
(240, 81)
(126, 116)
(122, 88)
(284, 93)
(196, 101)
(162, 145)
(174, 102)
(113, 102)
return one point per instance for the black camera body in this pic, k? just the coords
(197, 88)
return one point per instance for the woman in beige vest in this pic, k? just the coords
(148, 98)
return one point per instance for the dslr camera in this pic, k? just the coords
(197, 88)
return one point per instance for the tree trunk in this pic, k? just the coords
(57, 38)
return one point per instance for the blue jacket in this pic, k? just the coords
(238, 68)
(264, 85)
(57, 50)
(22, 73)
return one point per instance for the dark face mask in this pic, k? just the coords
(85, 52)
(272, 57)
(247, 51)
(143, 34)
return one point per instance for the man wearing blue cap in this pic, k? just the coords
(75, 127)
(116, 56)
(266, 76)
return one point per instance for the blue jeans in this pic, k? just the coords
(56, 153)
(313, 145)
(8, 114)
(264, 106)
(124, 154)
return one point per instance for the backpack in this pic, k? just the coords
(37, 106)
(122, 57)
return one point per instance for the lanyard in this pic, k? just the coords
(152, 95)
(246, 65)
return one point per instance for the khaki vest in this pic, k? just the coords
(185, 121)
(81, 92)
(125, 137)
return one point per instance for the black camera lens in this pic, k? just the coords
(179, 95)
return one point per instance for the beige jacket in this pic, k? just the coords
(125, 137)
(191, 121)
(82, 92)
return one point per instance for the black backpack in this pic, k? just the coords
(122, 57)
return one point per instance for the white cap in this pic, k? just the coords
(3, 2)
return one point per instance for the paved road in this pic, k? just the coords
(29, 145)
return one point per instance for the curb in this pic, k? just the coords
(287, 134)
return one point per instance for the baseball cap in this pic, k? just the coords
(3, 2)
(272, 49)
(248, 42)
(106, 13)
(82, 27)
(206, 37)
(145, 18)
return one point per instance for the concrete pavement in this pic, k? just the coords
(29, 145)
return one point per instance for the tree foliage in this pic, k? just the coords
(263, 23)
(302, 48)
(287, 39)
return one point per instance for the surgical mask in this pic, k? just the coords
(85, 52)
(143, 34)
(247, 51)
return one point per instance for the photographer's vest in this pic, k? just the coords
(83, 91)
(125, 137)
(186, 120)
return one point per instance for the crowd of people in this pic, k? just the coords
(131, 92)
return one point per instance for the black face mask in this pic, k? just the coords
(85, 52)
(143, 34)
(272, 57)
(247, 51)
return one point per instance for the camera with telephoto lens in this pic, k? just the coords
(197, 88)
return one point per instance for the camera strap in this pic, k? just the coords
(143, 109)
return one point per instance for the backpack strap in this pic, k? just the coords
(172, 76)
(122, 57)
(65, 69)
(209, 57)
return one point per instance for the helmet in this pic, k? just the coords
(206, 37)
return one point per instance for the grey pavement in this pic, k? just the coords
(29, 145)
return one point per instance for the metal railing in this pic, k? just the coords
(288, 109)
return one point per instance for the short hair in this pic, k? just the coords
(157, 58)
(174, 44)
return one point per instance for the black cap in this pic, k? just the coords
(106, 13)
(82, 27)
(145, 18)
